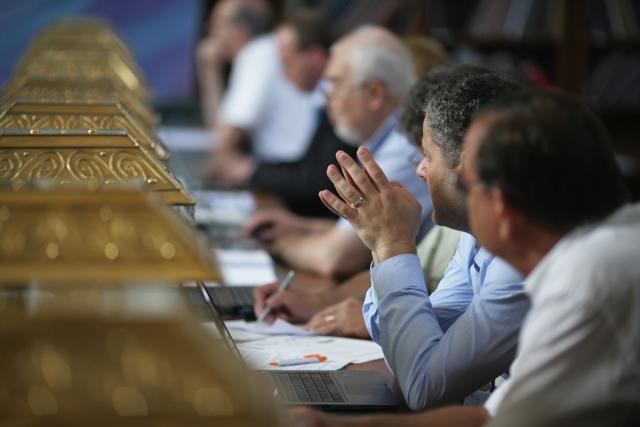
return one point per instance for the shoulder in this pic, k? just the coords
(396, 144)
(262, 48)
(596, 261)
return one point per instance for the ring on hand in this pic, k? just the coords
(358, 203)
(329, 318)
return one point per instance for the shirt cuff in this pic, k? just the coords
(400, 271)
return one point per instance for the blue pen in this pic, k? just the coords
(304, 360)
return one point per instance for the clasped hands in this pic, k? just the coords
(384, 214)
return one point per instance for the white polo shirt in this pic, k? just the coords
(260, 99)
(580, 344)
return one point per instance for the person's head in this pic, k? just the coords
(412, 117)
(235, 22)
(370, 73)
(427, 53)
(448, 111)
(303, 44)
(537, 161)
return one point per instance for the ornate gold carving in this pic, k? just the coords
(80, 91)
(47, 116)
(67, 159)
(67, 234)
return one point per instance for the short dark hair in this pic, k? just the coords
(311, 28)
(452, 105)
(257, 18)
(413, 109)
(552, 159)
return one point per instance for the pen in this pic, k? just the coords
(309, 358)
(283, 285)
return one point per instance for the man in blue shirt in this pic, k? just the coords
(442, 347)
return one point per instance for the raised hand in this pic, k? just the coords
(384, 214)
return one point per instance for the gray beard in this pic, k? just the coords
(348, 135)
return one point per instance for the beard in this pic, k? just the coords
(348, 134)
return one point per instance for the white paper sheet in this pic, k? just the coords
(258, 354)
(242, 330)
(242, 267)
(223, 207)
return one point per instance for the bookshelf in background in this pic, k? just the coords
(590, 48)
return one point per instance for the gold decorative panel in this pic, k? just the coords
(73, 235)
(88, 65)
(77, 371)
(76, 157)
(42, 115)
(80, 91)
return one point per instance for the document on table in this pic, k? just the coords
(258, 354)
(223, 207)
(242, 330)
(244, 267)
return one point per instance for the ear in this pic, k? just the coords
(503, 214)
(377, 93)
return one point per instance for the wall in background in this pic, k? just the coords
(160, 33)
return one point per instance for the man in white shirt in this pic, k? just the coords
(369, 73)
(259, 103)
(544, 193)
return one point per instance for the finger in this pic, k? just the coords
(260, 294)
(254, 222)
(374, 171)
(333, 170)
(327, 205)
(359, 177)
(348, 192)
(338, 206)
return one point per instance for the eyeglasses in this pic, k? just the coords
(341, 89)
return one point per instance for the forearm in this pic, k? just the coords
(212, 89)
(330, 253)
(399, 307)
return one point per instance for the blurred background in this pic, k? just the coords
(588, 47)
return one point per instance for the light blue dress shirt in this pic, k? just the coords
(443, 347)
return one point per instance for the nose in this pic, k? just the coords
(421, 170)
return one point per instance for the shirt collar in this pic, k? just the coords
(383, 131)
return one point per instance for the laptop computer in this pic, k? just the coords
(330, 390)
(233, 300)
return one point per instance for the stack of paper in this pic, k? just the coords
(242, 267)
(223, 207)
(262, 344)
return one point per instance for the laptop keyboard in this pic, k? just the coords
(308, 387)
(232, 296)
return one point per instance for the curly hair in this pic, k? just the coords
(413, 108)
(452, 105)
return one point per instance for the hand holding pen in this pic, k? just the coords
(282, 287)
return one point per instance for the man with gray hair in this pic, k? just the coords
(369, 73)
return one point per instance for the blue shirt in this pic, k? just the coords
(443, 347)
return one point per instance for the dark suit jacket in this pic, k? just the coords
(298, 183)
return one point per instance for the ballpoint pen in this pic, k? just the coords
(304, 360)
(283, 285)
